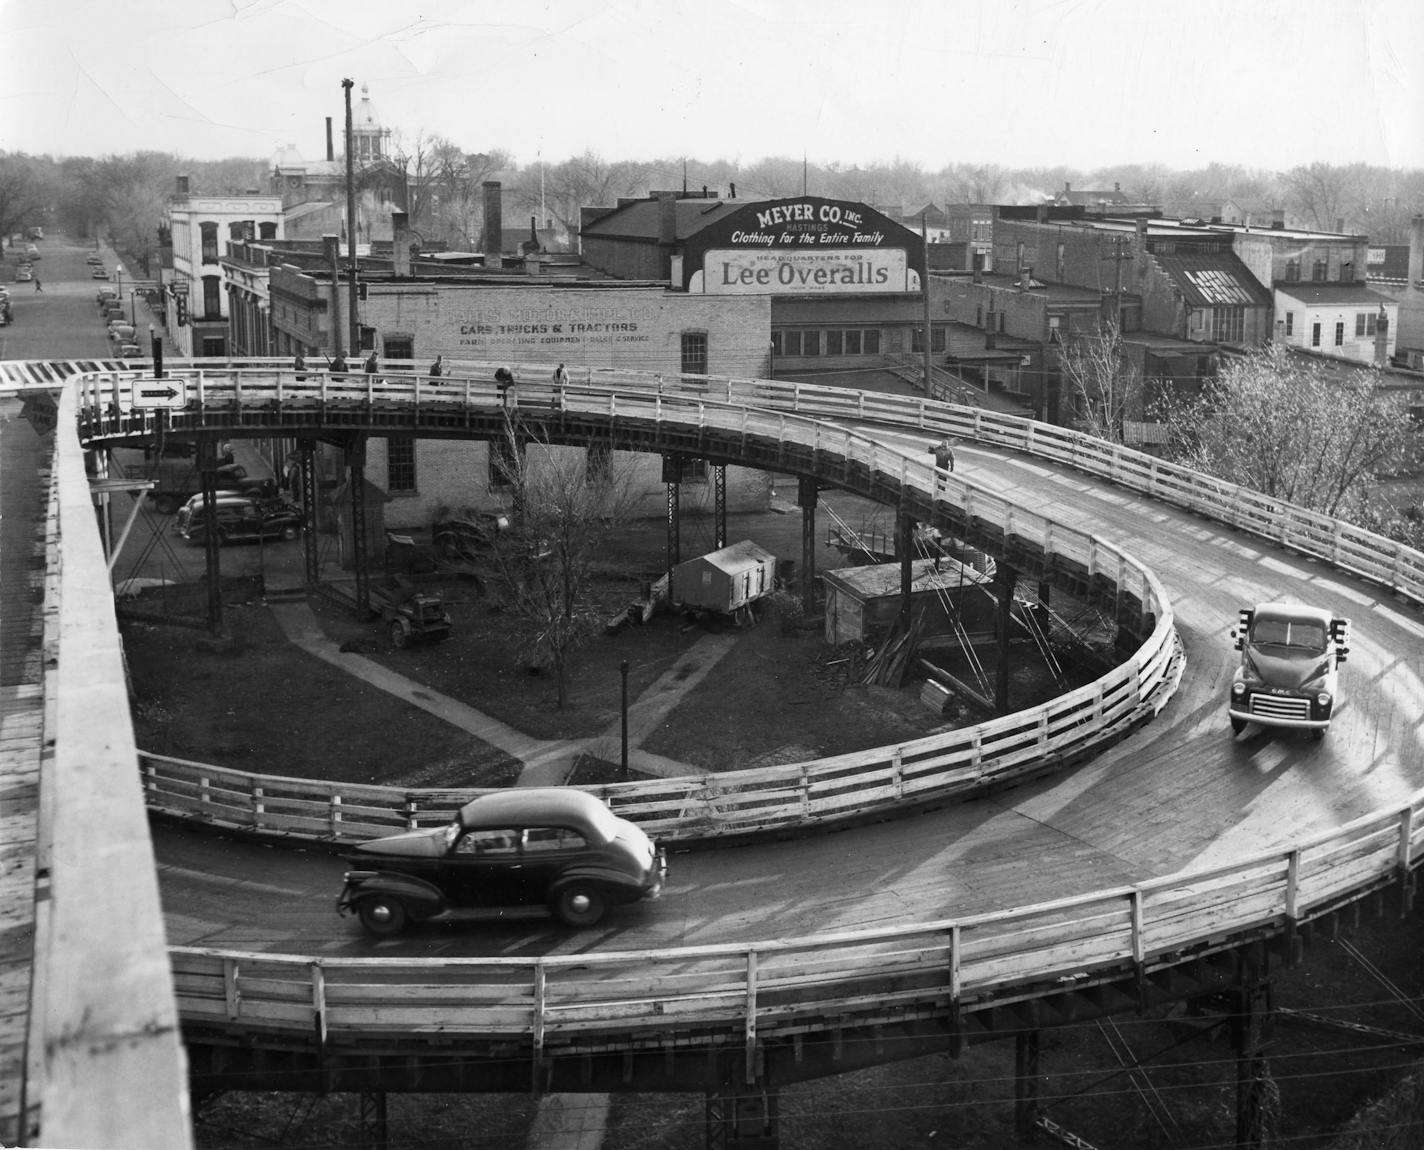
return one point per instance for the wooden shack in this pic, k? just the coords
(725, 580)
(862, 603)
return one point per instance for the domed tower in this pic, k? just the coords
(369, 141)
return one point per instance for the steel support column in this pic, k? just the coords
(1005, 577)
(807, 494)
(672, 474)
(307, 450)
(719, 506)
(1026, 1050)
(356, 461)
(207, 479)
(905, 549)
(1257, 1098)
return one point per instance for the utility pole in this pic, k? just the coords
(925, 245)
(354, 325)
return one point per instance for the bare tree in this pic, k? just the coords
(1101, 387)
(580, 182)
(1321, 194)
(1309, 433)
(567, 502)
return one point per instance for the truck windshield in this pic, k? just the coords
(1304, 636)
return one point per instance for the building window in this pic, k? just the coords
(872, 341)
(267, 230)
(1290, 323)
(810, 343)
(852, 342)
(399, 347)
(792, 342)
(1315, 335)
(214, 347)
(1366, 323)
(1292, 270)
(212, 297)
(400, 463)
(1228, 324)
(1317, 271)
(209, 233)
(1339, 334)
(1055, 329)
(937, 338)
(694, 352)
(684, 469)
(367, 338)
(835, 342)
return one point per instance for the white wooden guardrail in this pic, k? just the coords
(754, 989)
(731, 803)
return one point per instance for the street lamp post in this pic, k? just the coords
(119, 271)
(133, 308)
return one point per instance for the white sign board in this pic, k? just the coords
(814, 271)
(160, 393)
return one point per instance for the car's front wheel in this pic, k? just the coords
(1237, 726)
(400, 632)
(579, 904)
(290, 532)
(381, 914)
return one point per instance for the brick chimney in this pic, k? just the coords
(667, 218)
(1278, 218)
(493, 241)
(400, 243)
(1416, 250)
(182, 185)
(1382, 338)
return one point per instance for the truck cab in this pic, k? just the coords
(1288, 674)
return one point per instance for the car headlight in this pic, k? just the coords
(1323, 699)
(1238, 688)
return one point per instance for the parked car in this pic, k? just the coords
(99, 274)
(23, 276)
(241, 519)
(129, 350)
(553, 848)
(470, 531)
(92, 260)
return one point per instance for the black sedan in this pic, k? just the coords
(553, 848)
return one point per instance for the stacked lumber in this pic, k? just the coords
(935, 696)
(890, 664)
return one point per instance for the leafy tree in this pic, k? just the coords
(1296, 429)
(567, 502)
(25, 190)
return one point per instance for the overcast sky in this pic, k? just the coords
(1085, 83)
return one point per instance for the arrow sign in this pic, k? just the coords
(160, 393)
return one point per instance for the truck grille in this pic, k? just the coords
(1280, 706)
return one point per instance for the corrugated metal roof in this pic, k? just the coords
(1213, 279)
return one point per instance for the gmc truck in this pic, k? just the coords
(1287, 676)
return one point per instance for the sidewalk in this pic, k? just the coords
(546, 762)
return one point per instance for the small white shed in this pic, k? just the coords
(725, 580)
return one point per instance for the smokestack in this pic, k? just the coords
(733, 194)
(494, 222)
(1416, 250)
(330, 147)
(1278, 218)
(400, 243)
